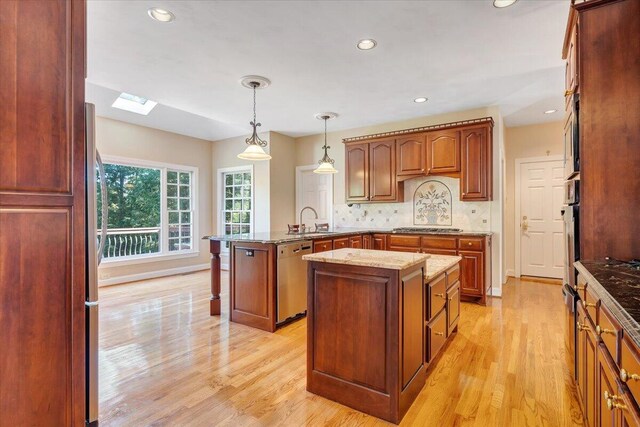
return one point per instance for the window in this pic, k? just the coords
(151, 209)
(237, 201)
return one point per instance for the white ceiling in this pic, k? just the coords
(459, 54)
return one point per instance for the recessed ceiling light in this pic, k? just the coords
(161, 15)
(550, 111)
(367, 44)
(134, 104)
(421, 99)
(503, 3)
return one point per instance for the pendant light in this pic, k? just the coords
(255, 145)
(326, 163)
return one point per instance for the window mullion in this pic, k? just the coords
(164, 226)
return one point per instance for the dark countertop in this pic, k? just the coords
(618, 287)
(282, 236)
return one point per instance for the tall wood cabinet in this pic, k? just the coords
(476, 151)
(602, 48)
(42, 213)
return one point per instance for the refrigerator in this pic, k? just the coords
(94, 247)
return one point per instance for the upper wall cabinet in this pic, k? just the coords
(443, 151)
(476, 180)
(382, 171)
(357, 171)
(411, 155)
(378, 165)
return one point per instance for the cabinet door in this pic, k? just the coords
(380, 242)
(382, 170)
(411, 155)
(571, 66)
(587, 365)
(475, 175)
(367, 242)
(355, 242)
(472, 273)
(606, 384)
(453, 307)
(357, 172)
(443, 152)
(42, 213)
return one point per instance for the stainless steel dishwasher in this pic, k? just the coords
(292, 279)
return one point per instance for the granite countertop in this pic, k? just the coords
(369, 258)
(283, 236)
(618, 287)
(437, 264)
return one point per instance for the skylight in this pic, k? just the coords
(134, 104)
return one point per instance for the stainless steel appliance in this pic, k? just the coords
(572, 192)
(292, 280)
(571, 298)
(94, 256)
(572, 140)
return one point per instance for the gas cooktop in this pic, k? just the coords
(426, 230)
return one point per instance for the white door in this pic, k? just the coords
(315, 190)
(540, 223)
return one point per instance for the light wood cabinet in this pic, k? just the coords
(475, 177)
(411, 155)
(443, 152)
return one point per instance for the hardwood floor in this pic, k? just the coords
(165, 361)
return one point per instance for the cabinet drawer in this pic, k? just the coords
(471, 244)
(439, 242)
(630, 367)
(437, 294)
(437, 333)
(404, 241)
(453, 307)
(355, 242)
(322, 245)
(592, 305)
(609, 332)
(341, 243)
(453, 275)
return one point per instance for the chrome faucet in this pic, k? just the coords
(304, 209)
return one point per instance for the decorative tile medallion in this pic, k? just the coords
(432, 204)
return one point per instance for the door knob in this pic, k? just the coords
(524, 224)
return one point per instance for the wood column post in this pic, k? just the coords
(214, 249)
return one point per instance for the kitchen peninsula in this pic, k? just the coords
(253, 266)
(375, 322)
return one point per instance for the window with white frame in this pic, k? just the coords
(237, 202)
(152, 209)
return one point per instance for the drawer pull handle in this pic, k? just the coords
(580, 288)
(440, 334)
(626, 376)
(601, 331)
(590, 304)
(568, 92)
(440, 295)
(582, 327)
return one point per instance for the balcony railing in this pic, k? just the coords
(126, 242)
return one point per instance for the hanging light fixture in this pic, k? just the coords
(255, 145)
(326, 163)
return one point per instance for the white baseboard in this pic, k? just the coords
(152, 274)
(511, 272)
(496, 292)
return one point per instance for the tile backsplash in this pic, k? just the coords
(469, 216)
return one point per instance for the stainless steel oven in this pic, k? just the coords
(572, 192)
(572, 139)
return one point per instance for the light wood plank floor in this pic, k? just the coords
(165, 362)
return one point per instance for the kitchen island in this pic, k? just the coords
(376, 320)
